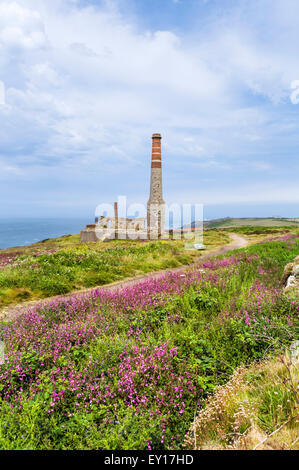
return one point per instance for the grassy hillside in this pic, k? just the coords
(130, 369)
(62, 265)
(253, 222)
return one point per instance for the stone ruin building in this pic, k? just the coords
(152, 227)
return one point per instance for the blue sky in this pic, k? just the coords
(84, 84)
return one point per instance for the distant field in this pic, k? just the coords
(255, 222)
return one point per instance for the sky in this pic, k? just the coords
(85, 83)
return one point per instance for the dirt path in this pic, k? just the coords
(13, 311)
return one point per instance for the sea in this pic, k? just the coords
(22, 232)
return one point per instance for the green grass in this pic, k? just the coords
(205, 324)
(38, 273)
(256, 409)
(261, 230)
(229, 222)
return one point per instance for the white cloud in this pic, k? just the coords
(2, 93)
(97, 69)
(264, 192)
(86, 87)
(20, 27)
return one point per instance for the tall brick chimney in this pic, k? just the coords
(155, 205)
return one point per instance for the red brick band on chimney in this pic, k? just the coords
(156, 151)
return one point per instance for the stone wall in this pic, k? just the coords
(121, 223)
(128, 229)
(291, 276)
(89, 234)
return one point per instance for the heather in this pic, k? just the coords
(8, 259)
(64, 265)
(129, 369)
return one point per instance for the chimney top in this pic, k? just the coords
(157, 136)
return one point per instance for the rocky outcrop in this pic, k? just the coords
(291, 276)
